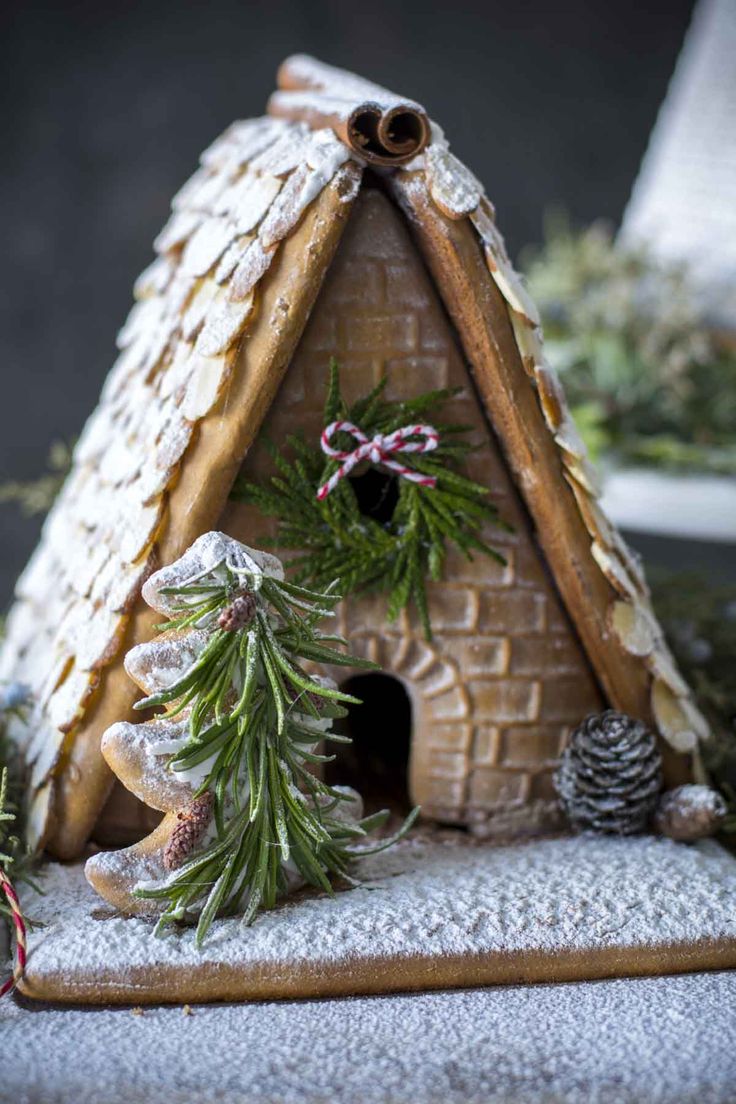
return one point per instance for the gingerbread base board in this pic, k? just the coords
(429, 914)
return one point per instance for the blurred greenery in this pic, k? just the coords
(35, 496)
(698, 615)
(647, 381)
(16, 861)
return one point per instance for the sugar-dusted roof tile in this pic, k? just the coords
(178, 347)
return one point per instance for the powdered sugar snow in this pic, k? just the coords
(668, 1040)
(659, 1040)
(428, 899)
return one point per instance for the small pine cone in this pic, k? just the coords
(239, 613)
(689, 813)
(192, 826)
(610, 774)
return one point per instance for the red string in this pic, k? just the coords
(380, 449)
(20, 934)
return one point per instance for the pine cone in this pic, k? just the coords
(610, 775)
(689, 813)
(192, 826)
(239, 613)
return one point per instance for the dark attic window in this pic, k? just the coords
(376, 764)
(377, 493)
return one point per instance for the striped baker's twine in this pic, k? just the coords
(20, 934)
(379, 450)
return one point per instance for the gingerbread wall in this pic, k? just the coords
(495, 693)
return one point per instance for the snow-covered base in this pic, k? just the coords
(668, 1040)
(431, 913)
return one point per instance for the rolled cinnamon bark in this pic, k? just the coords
(382, 128)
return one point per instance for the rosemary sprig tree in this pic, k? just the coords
(255, 720)
(332, 538)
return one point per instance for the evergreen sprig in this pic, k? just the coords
(334, 539)
(15, 859)
(37, 496)
(648, 379)
(255, 716)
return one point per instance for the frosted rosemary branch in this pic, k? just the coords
(256, 718)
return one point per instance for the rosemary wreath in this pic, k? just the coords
(255, 718)
(334, 539)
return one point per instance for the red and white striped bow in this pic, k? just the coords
(379, 450)
(20, 934)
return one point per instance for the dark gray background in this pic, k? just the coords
(107, 106)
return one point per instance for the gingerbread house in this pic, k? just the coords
(341, 225)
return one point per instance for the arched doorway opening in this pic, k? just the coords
(377, 493)
(376, 763)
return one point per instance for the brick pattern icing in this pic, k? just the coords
(495, 693)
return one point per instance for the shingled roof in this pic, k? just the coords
(217, 316)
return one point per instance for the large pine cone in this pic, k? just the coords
(610, 774)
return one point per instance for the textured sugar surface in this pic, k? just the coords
(342, 84)
(428, 898)
(660, 1040)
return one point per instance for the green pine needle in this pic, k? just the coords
(333, 539)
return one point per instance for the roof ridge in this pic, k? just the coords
(378, 126)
